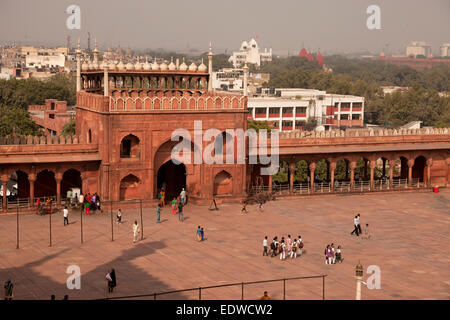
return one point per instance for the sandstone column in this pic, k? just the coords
(58, 178)
(333, 168)
(291, 177)
(270, 183)
(373, 164)
(410, 166)
(31, 180)
(429, 164)
(312, 168)
(352, 174)
(391, 173)
(4, 181)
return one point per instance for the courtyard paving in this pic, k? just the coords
(410, 236)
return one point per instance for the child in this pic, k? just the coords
(294, 249)
(339, 255)
(244, 207)
(366, 231)
(174, 206)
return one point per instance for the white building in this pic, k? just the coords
(445, 50)
(417, 48)
(45, 61)
(289, 109)
(228, 79)
(249, 52)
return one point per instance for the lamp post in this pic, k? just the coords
(358, 275)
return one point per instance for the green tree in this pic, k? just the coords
(17, 122)
(69, 128)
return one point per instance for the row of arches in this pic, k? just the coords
(20, 184)
(172, 178)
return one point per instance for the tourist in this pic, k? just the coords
(93, 202)
(339, 255)
(158, 213)
(202, 234)
(199, 236)
(355, 224)
(135, 231)
(174, 206)
(180, 211)
(81, 200)
(260, 206)
(69, 196)
(119, 216)
(265, 253)
(161, 196)
(294, 249)
(366, 231)
(300, 245)
(273, 248)
(97, 202)
(183, 197)
(8, 290)
(359, 224)
(244, 207)
(265, 296)
(333, 252)
(109, 280)
(113, 279)
(282, 250)
(329, 255)
(87, 206)
(66, 216)
(289, 244)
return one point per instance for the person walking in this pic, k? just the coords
(109, 280)
(339, 255)
(359, 224)
(282, 250)
(333, 254)
(183, 196)
(244, 207)
(119, 216)
(199, 236)
(113, 279)
(260, 207)
(158, 213)
(180, 211)
(66, 216)
(300, 245)
(265, 253)
(87, 206)
(202, 234)
(81, 201)
(329, 255)
(135, 231)
(294, 249)
(174, 206)
(289, 245)
(8, 290)
(366, 231)
(355, 224)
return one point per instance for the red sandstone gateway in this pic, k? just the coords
(126, 113)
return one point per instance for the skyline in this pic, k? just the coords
(178, 25)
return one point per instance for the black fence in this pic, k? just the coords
(239, 284)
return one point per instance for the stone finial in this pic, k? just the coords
(42, 140)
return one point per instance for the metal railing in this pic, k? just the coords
(240, 284)
(340, 186)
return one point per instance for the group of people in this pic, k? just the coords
(89, 202)
(357, 227)
(200, 233)
(284, 248)
(333, 255)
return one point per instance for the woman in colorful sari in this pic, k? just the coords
(161, 197)
(174, 206)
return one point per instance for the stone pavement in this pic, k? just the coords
(410, 236)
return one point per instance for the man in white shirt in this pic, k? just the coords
(66, 216)
(135, 231)
(183, 197)
(265, 253)
(355, 223)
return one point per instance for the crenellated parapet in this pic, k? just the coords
(42, 140)
(363, 133)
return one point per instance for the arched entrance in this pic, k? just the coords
(223, 183)
(45, 185)
(71, 179)
(418, 169)
(171, 177)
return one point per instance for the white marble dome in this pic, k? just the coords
(129, 66)
(172, 65)
(120, 65)
(202, 67)
(155, 65)
(192, 67)
(183, 66)
(163, 66)
(147, 65)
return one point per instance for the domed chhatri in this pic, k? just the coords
(138, 66)
(129, 66)
(155, 65)
(120, 65)
(192, 67)
(202, 67)
(172, 66)
(183, 66)
(163, 66)
(112, 65)
(146, 65)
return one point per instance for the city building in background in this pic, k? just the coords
(291, 109)
(418, 48)
(250, 53)
(232, 79)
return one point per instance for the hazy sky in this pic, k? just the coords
(331, 25)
